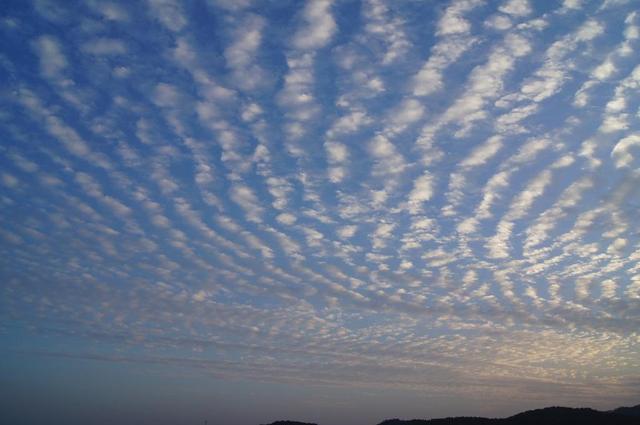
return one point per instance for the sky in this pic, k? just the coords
(330, 211)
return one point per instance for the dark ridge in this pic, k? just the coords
(566, 415)
(462, 420)
(547, 416)
(290, 423)
(633, 411)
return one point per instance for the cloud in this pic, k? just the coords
(240, 55)
(382, 232)
(539, 231)
(346, 232)
(621, 151)
(589, 30)
(10, 181)
(550, 77)
(499, 22)
(430, 77)
(350, 123)
(51, 11)
(286, 218)
(536, 187)
(517, 8)
(49, 51)
(104, 47)
(388, 28)
(110, 11)
(338, 158)
(334, 192)
(408, 112)
(604, 70)
(297, 98)
(244, 196)
(169, 13)
(572, 4)
(388, 160)
(231, 5)
(486, 82)
(483, 153)
(452, 21)
(320, 26)
(422, 191)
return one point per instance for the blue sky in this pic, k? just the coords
(333, 211)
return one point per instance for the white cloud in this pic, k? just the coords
(491, 193)
(251, 112)
(604, 70)
(429, 79)
(286, 218)
(200, 296)
(389, 29)
(621, 152)
(279, 188)
(52, 11)
(240, 55)
(388, 160)
(422, 191)
(517, 8)
(231, 5)
(589, 30)
(338, 158)
(104, 47)
(320, 26)
(169, 13)
(498, 245)
(523, 202)
(110, 11)
(382, 232)
(244, 196)
(453, 21)
(499, 22)
(469, 225)
(10, 181)
(613, 123)
(608, 288)
(336, 152)
(486, 82)
(166, 95)
(617, 246)
(52, 60)
(548, 220)
(346, 232)
(572, 4)
(297, 98)
(350, 123)
(409, 111)
(23, 163)
(483, 153)
(350, 272)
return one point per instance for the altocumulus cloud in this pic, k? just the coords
(440, 198)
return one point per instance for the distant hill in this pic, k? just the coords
(444, 421)
(628, 411)
(290, 423)
(547, 416)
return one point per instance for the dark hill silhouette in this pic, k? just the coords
(290, 423)
(628, 411)
(443, 421)
(566, 415)
(547, 416)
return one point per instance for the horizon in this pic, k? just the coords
(333, 211)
